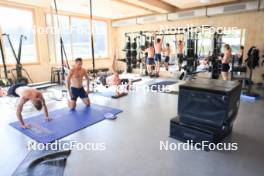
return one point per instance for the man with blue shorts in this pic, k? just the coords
(150, 58)
(158, 50)
(75, 85)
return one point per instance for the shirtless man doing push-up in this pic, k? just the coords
(27, 94)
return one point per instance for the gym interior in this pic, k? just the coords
(131, 87)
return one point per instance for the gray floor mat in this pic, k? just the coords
(43, 163)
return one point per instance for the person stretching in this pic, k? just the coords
(115, 80)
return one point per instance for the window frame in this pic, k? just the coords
(81, 16)
(36, 44)
(242, 37)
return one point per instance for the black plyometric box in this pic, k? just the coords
(209, 103)
(185, 132)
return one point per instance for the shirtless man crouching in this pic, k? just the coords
(75, 84)
(26, 94)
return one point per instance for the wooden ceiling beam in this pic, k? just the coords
(160, 4)
(135, 5)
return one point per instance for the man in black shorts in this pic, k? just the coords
(150, 59)
(75, 84)
(167, 52)
(180, 47)
(225, 61)
(158, 49)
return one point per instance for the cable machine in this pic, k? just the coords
(19, 78)
(4, 81)
(215, 61)
(92, 46)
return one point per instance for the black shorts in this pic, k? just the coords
(225, 67)
(180, 58)
(78, 92)
(103, 80)
(150, 61)
(167, 58)
(157, 57)
(12, 90)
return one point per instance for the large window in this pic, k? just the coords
(81, 38)
(76, 37)
(64, 22)
(171, 39)
(100, 38)
(235, 38)
(54, 31)
(205, 44)
(16, 22)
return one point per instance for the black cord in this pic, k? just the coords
(3, 59)
(11, 45)
(92, 41)
(62, 48)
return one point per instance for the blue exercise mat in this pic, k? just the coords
(249, 98)
(64, 122)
